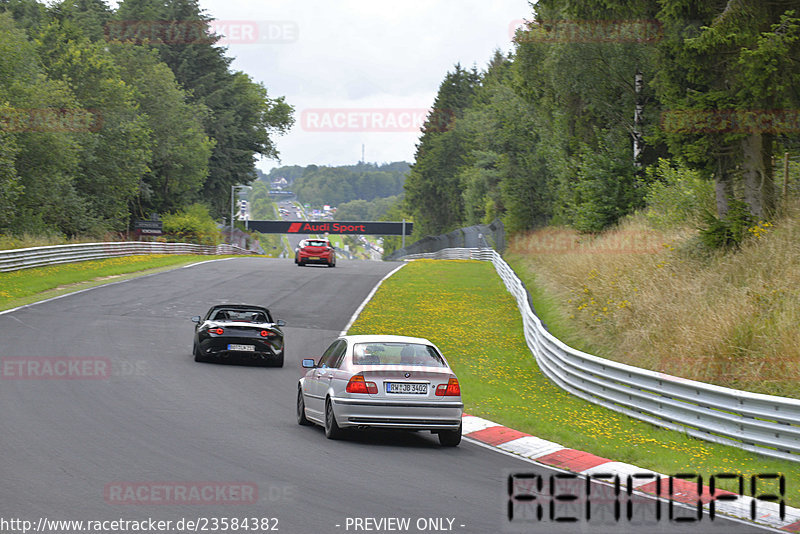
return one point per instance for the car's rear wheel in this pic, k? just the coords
(301, 410)
(197, 356)
(332, 430)
(450, 438)
(278, 362)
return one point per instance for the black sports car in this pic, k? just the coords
(238, 333)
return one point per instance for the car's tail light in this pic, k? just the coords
(218, 331)
(357, 384)
(451, 389)
(267, 333)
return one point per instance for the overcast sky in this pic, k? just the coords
(359, 71)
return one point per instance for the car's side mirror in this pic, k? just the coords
(281, 322)
(196, 319)
(309, 363)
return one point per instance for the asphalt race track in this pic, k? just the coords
(159, 420)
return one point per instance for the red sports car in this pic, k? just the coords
(315, 251)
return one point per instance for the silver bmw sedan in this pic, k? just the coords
(377, 381)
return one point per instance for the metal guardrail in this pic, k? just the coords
(480, 235)
(764, 424)
(24, 258)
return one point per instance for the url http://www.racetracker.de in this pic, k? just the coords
(196, 524)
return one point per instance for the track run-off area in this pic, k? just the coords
(152, 435)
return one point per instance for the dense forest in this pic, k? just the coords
(600, 102)
(336, 186)
(367, 210)
(100, 125)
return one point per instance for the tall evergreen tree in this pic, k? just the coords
(91, 16)
(28, 14)
(718, 61)
(39, 157)
(114, 157)
(242, 118)
(178, 166)
(433, 188)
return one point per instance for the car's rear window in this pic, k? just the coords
(316, 243)
(247, 316)
(397, 353)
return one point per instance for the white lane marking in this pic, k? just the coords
(207, 261)
(366, 300)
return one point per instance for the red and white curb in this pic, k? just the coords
(684, 491)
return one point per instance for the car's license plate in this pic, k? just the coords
(313, 257)
(406, 387)
(246, 348)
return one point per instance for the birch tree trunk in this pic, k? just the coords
(759, 184)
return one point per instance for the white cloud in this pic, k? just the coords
(363, 54)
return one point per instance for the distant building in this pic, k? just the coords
(279, 183)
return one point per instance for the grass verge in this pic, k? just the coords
(272, 244)
(18, 288)
(8, 242)
(659, 300)
(464, 308)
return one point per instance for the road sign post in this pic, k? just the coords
(148, 228)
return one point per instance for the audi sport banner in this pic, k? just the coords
(330, 227)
